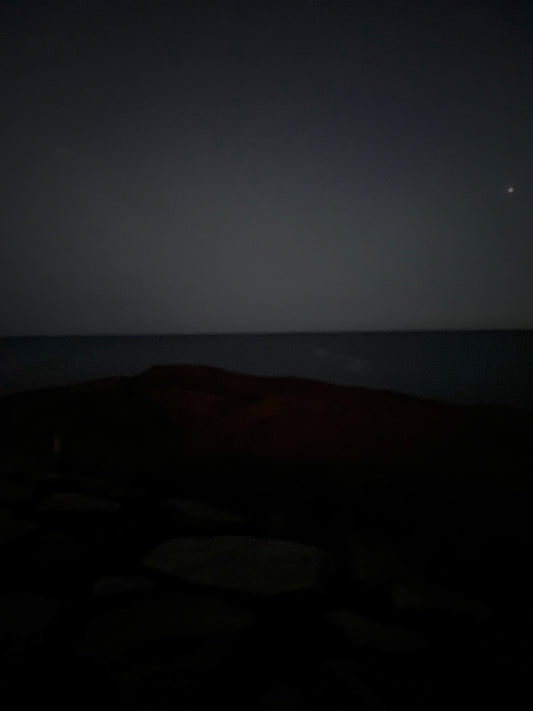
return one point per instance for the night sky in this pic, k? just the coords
(230, 167)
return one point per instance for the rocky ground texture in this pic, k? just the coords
(166, 590)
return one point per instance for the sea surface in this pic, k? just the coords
(465, 367)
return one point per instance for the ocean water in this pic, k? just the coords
(465, 367)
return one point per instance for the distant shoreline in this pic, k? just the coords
(456, 367)
(407, 331)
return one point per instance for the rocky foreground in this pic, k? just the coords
(191, 537)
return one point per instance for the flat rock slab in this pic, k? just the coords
(366, 632)
(24, 620)
(70, 502)
(16, 492)
(111, 636)
(198, 512)
(110, 586)
(243, 563)
(12, 527)
(422, 598)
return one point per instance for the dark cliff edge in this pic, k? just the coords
(186, 425)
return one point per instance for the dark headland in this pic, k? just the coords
(191, 536)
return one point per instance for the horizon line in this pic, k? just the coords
(267, 333)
